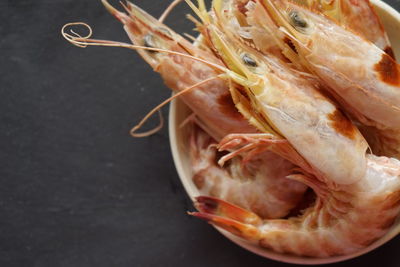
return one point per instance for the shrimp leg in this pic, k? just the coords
(251, 145)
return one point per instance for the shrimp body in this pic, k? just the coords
(362, 77)
(356, 15)
(276, 100)
(341, 221)
(259, 185)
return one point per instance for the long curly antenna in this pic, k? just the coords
(168, 10)
(74, 35)
(84, 41)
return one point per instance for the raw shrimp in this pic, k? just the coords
(210, 99)
(247, 18)
(278, 101)
(259, 184)
(363, 78)
(357, 15)
(340, 222)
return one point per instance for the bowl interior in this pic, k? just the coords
(179, 146)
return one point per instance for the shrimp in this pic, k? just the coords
(340, 222)
(364, 79)
(279, 102)
(357, 15)
(248, 19)
(210, 101)
(259, 184)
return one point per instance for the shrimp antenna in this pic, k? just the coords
(200, 11)
(84, 41)
(158, 107)
(149, 132)
(168, 10)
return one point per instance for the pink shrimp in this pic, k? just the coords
(357, 15)
(364, 79)
(280, 102)
(210, 101)
(340, 222)
(248, 19)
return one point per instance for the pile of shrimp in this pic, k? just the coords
(295, 127)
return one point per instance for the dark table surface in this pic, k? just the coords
(75, 188)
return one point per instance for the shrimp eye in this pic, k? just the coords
(296, 20)
(148, 41)
(249, 61)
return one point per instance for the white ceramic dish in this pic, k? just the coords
(178, 140)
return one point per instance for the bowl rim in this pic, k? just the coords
(174, 127)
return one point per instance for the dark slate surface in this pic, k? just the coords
(76, 189)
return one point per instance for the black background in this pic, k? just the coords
(75, 188)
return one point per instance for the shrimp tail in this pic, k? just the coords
(230, 217)
(223, 208)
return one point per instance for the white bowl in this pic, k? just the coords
(179, 144)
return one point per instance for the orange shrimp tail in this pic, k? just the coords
(229, 217)
(221, 208)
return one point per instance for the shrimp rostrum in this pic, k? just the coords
(351, 211)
